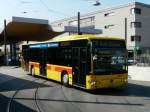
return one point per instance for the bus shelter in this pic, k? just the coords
(27, 29)
(24, 29)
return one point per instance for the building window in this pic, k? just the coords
(109, 26)
(135, 11)
(72, 33)
(136, 38)
(132, 38)
(136, 24)
(59, 24)
(89, 21)
(93, 18)
(109, 14)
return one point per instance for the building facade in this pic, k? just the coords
(112, 23)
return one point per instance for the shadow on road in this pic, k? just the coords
(10, 83)
(13, 83)
(136, 90)
(18, 106)
(3, 103)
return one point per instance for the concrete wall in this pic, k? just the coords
(117, 24)
(144, 31)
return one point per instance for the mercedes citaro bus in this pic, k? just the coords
(85, 61)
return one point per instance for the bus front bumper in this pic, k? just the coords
(106, 81)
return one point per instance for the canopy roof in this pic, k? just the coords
(27, 29)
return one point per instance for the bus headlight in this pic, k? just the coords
(125, 80)
(93, 83)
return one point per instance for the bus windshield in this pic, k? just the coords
(109, 60)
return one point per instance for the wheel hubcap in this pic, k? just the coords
(65, 78)
(32, 71)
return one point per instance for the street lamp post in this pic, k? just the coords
(5, 35)
(79, 32)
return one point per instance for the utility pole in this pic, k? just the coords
(5, 35)
(79, 32)
(125, 35)
(125, 21)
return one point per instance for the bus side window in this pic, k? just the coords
(49, 56)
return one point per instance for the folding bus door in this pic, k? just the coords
(43, 61)
(79, 64)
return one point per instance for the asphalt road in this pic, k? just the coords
(20, 92)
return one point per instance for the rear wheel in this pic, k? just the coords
(65, 79)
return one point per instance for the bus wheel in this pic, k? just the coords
(32, 71)
(65, 79)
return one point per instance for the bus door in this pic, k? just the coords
(79, 63)
(43, 59)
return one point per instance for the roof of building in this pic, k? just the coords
(103, 10)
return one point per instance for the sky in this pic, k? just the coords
(53, 9)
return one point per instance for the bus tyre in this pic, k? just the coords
(32, 71)
(65, 79)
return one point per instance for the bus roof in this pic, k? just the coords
(82, 37)
(78, 37)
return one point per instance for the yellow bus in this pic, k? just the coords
(85, 61)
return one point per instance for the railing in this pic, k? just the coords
(143, 59)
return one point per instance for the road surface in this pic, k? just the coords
(20, 92)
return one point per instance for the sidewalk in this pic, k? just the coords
(139, 73)
(8, 73)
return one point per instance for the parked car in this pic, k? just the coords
(131, 62)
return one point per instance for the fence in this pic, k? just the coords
(143, 57)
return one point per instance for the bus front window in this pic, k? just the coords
(107, 61)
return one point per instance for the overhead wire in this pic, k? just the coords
(51, 10)
(44, 5)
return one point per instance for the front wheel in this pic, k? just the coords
(65, 79)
